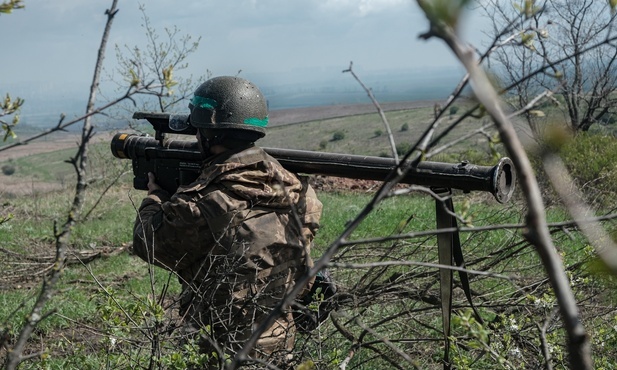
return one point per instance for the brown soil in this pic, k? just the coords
(328, 183)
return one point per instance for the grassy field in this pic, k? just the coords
(367, 134)
(110, 309)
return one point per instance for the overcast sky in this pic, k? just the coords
(58, 40)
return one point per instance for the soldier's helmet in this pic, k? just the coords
(229, 104)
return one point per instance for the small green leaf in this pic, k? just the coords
(134, 78)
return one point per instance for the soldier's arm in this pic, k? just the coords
(169, 232)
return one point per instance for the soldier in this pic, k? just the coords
(240, 235)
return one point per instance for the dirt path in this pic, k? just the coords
(49, 144)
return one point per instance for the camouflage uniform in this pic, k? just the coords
(238, 238)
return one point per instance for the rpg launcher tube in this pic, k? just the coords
(498, 180)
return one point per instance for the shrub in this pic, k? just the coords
(339, 135)
(8, 169)
(589, 159)
(323, 144)
(453, 110)
(402, 148)
(378, 133)
(405, 127)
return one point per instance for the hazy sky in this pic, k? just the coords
(57, 41)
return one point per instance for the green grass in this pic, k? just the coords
(49, 167)
(80, 302)
(342, 208)
(34, 219)
(359, 132)
(52, 166)
(396, 302)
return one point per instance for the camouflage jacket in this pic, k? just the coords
(241, 233)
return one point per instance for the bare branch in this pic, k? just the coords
(537, 233)
(36, 315)
(379, 110)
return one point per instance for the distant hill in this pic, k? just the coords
(44, 102)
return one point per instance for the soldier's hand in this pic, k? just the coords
(152, 185)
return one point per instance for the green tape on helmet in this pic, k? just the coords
(205, 103)
(254, 121)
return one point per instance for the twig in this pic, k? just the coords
(388, 343)
(462, 138)
(100, 198)
(537, 232)
(15, 355)
(379, 110)
(416, 263)
(543, 342)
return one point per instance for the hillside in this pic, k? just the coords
(299, 115)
